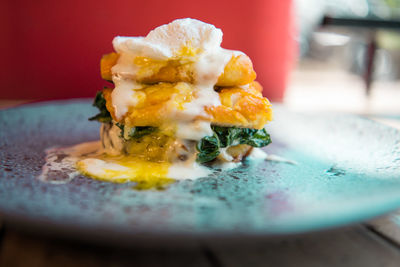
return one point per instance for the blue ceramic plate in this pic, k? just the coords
(348, 170)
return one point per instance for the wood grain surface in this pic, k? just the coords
(354, 246)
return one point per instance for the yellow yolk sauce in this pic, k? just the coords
(65, 163)
(122, 169)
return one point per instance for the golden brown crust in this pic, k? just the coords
(171, 73)
(227, 117)
(106, 63)
(238, 71)
(156, 104)
(241, 107)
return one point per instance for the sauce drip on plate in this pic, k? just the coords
(63, 164)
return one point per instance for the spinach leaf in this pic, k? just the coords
(140, 131)
(136, 132)
(229, 136)
(100, 103)
(255, 138)
(208, 148)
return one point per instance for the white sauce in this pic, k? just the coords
(60, 166)
(125, 67)
(226, 166)
(125, 95)
(209, 66)
(277, 158)
(180, 171)
(99, 168)
(193, 130)
(111, 138)
(257, 154)
(166, 43)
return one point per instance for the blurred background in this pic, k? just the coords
(349, 57)
(53, 48)
(310, 54)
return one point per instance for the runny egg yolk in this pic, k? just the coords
(122, 169)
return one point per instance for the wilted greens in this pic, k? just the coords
(100, 103)
(209, 146)
(136, 132)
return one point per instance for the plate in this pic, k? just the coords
(347, 170)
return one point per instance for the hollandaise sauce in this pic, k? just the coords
(90, 159)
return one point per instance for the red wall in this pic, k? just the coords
(51, 49)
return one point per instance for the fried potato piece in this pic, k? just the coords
(238, 71)
(107, 96)
(156, 108)
(106, 63)
(235, 153)
(172, 72)
(241, 107)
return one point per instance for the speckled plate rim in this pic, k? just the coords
(46, 229)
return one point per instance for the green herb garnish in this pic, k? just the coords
(209, 146)
(136, 132)
(100, 103)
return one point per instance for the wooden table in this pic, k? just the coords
(373, 243)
